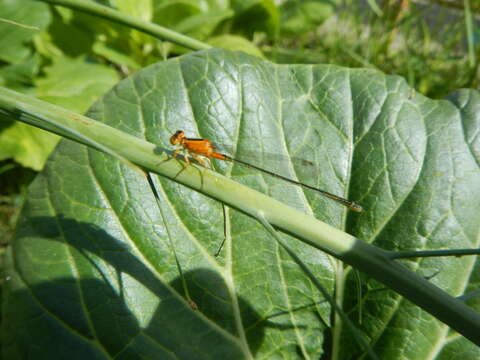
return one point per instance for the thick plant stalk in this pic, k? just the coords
(155, 30)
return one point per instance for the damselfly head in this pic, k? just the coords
(177, 138)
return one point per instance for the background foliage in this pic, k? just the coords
(72, 59)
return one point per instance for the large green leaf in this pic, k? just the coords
(91, 273)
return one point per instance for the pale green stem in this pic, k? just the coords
(108, 13)
(432, 253)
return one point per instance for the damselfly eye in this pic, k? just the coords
(177, 137)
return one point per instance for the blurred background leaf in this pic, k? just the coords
(301, 16)
(26, 145)
(74, 83)
(14, 39)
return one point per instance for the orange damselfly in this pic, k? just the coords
(197, 148)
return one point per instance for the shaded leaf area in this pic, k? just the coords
(91, 267)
